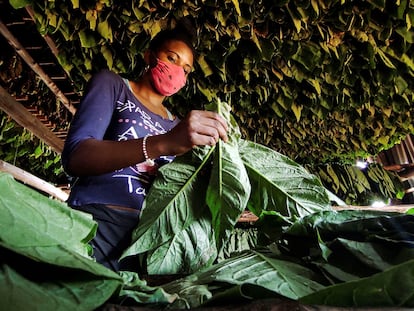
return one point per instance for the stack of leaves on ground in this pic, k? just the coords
(45, 262)
(304, 250)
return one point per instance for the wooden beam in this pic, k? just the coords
(249, 217)
(33, 181)
(46, 37)
(20, 114)
(35, 67)
(402, 208)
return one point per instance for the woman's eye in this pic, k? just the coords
(171, 59)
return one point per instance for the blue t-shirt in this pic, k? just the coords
(110, 111)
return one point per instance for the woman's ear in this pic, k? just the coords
(150, 58)
(147, 57)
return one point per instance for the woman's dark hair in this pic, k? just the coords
(184, 31)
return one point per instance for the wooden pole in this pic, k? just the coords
(46, 37)
(33, 181)
(19, 113)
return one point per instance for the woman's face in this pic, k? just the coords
(178, 53)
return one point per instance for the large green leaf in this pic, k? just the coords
(188, 251)
(22, 289)
(228, 191)
(175, 201)
(241, 239)
(250, 268)
(34, 220)
(229, 187)
(268, 275)
(391, 288)
(279, 184)
(45, 262)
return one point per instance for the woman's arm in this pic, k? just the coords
(94, 157)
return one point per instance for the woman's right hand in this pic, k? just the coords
(198, 128)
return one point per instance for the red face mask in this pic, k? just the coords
(167, 78)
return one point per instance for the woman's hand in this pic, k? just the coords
(199, 128)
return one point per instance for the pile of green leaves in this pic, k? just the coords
(304, 250)
(343, 259)
(45, 261)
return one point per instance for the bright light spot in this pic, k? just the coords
(361, 164)
(377, 204)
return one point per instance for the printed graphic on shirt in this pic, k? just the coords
(145, 118)
(137, 178)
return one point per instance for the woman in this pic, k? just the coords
(122, 133)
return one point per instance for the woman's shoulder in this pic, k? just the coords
(106, 75)
(106, 78)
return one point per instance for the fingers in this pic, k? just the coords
(204, 139)
(208, 126)
(199, 128)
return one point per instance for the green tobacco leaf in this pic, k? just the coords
(18, 4)
(224, 110)
(104, 29)
(241, 239)
(87, 39)
(391, 288)
(277, 276)
(138, 290)
(379, 256)
(333, 220)
(56, 290)
(189, 251)
(176, 200)
(228, 191)
(360, 225)
(34, 220)
(44, 260)
(279, 184)
(229, 187)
